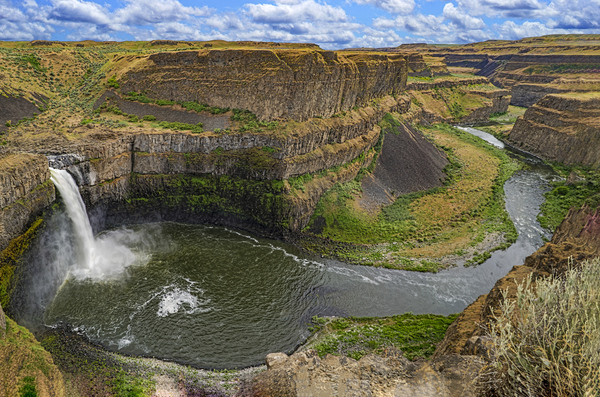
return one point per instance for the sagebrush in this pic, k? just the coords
(547, 340)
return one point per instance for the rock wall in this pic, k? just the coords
(562, 127)
(273, 84)
(25, 190)
(528, 94)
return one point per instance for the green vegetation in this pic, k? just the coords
(93, 370)
(112, 82)
(415, 335)
(248, 122)
(10, 257)
(563, 196)
(546, 339)
(34, 62)
(418, 228)
(563, 68)
(510, 116)
(196, 128)
(454, 102)
(28, 387)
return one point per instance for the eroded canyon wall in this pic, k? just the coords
(562, 127)
(272, 84)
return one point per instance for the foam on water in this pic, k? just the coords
(175, 299)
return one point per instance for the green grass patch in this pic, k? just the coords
(28, 387)
(355, 337)
(196, 128)
(562, 196)
(464, 211)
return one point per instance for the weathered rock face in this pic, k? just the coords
(272, 84)
(562, 127)
(528, 94)
(305, 374)
(25, 190)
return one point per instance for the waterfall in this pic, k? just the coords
(96, 257)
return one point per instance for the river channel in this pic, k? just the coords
(219, 298)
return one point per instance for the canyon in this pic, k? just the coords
(258, 137)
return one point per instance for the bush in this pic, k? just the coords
(547, 339)
(149, 117)
(112, 82)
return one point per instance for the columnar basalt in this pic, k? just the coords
(562, 127)
(272, 84)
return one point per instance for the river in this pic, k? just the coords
(219, 298)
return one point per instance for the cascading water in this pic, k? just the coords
(95, 257)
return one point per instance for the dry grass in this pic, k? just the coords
(547, 340)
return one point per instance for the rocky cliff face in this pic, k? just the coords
(238, 179)
(272, 84)
(25, 190)
(562, 127)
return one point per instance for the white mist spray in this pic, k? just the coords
(96, 257)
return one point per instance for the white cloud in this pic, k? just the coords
(79, 11)
(391, 6)
(461, 18)
(292, 12)
(142, 12)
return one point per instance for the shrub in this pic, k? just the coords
(546, 340)
(149, 117)
(112, 82)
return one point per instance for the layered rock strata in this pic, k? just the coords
(25, 190)
(273, 84)
(562, 127)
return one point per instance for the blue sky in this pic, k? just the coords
(330, 23)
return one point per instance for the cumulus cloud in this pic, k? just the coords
(391, 6)
(290, 12)
(79, 11)
(325, 22)
(142, 12)
(461, 19)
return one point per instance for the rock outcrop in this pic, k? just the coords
(562, 127)
(273, 84)
(25, 190)
(305, 374)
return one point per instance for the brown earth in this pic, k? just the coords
(389, 375)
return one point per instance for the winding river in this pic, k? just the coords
(219, 298)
